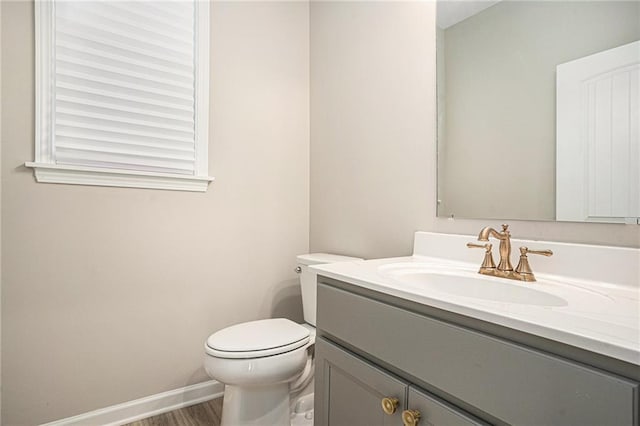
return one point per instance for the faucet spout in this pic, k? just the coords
(486, 232)
(505, 244)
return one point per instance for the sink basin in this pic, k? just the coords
(469, 284)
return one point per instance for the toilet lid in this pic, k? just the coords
(256, 339)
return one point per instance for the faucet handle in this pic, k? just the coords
(525, 250)
(488, 262)
(484, 246)
(523, 265)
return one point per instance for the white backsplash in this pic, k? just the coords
(614, 265)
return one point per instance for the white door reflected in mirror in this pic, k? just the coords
(598, 137)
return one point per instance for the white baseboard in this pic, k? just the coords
(142, 408)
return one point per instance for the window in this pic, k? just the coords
(122, 93)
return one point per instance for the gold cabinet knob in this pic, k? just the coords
(410, 417)
(389, 405)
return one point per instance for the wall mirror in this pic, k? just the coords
(538, 115)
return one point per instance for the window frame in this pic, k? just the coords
(44, 165)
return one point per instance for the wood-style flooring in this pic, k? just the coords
(205, 414)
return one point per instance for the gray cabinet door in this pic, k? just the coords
(436, 412)
(349, 391)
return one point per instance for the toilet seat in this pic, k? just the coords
(257, 339)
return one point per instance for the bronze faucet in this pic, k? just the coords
(505, 245)
(504, 269)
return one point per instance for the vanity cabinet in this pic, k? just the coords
(370, 347)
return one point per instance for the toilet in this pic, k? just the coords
(265, 364)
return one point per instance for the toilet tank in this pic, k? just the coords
(308, 279)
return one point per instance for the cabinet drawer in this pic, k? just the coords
(512, 383)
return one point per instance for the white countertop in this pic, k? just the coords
(599, 316)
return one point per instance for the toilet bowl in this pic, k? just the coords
(257, 361)
(264, 363)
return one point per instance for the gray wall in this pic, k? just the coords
(500, 98)
(373, 145)
(108, 293)
(0, 216)
(372, 118)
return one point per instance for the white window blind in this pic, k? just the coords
(124, 87)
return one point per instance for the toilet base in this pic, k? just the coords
(256, 405)
(302, 413)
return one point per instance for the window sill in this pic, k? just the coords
(76, 175)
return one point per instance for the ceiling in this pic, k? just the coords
(450, 12)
